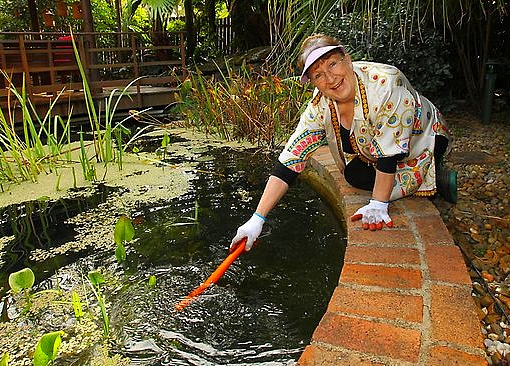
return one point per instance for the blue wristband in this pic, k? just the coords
(259, 215)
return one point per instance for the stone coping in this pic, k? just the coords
(404, 294)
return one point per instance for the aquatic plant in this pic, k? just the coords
(107, 136)
(77, 305)
(88, 169)
(96, 279)
(4, 361)
(47, 348)
(24, 156)
(243, 105)
(22, 280)
(124, 232)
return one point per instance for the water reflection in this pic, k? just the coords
(264, 309)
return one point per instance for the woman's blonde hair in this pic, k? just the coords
(313, 42)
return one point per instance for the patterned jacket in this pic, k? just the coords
(390, 118)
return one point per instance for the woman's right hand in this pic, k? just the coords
(250, 230)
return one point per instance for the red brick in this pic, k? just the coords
(453, 316)
(441, 356)
(446, 264)
(386, 236)
(432, 230)
(319, 356)
(399, 221)
(387, 305)
(416, 206)
(375, 254)
(390, 277)
(369, 337)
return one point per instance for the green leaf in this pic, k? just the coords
(96, 278)
(124, 230)
(77, 305)
(23, 279)
(120, 253)
(152, 281)
(47, 348)
(165, 141)
(4, 361)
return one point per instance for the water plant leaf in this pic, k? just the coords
(124, 230)
(47, 348)
(120, 252)
(4, 361)
(23, 279)
(77, 305)
(165, 141)
(96, 277)
(152, 281)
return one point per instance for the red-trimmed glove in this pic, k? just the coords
(373, 215)
(249, 230)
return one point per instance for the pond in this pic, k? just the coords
(263, 311)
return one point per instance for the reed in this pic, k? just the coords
(243, 104)
(32, 144)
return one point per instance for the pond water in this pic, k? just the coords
(263, 311)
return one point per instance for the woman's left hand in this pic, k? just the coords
(373, 215)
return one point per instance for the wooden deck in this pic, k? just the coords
(46, 66)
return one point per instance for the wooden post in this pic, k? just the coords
(24, 62)
(183, 53)
(136, 72)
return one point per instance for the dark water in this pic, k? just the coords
(263, 310)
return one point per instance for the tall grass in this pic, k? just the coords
(39, 144)
(30, 144)
(243, 104)
(107, 135)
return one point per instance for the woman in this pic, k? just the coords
(383, 135)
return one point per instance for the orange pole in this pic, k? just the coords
(214, 277)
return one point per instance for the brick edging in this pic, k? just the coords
(404, 294)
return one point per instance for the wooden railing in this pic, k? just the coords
(47, 62)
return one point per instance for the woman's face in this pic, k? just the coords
(332, 74)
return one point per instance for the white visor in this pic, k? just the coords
(314, 56)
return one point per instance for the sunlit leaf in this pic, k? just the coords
(152, 280)
(120, 252)
(77, 305)
(4, 361)
(96, 277)
(23, 279)
(47, 348)
(124, 230)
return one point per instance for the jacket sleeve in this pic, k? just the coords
(308, 136)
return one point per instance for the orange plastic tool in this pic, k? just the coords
(215, 276)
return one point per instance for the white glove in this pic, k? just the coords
(250, 230)
(373, 215)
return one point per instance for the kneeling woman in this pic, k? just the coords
(384, 136)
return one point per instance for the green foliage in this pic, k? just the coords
(4, 361)
(47, 348)
(424, 59)
(77, 305)
(23, 156)
(21, 280)
(96, 279)
(124, 232)
(152, 281)
(243, 105)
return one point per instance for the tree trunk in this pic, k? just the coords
(250, 25)
(34, 17)
(191, 41)
(212, 32)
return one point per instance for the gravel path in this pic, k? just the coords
(480, 222)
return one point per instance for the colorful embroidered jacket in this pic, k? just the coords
(390, 118)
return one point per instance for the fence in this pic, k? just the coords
(46, 62)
